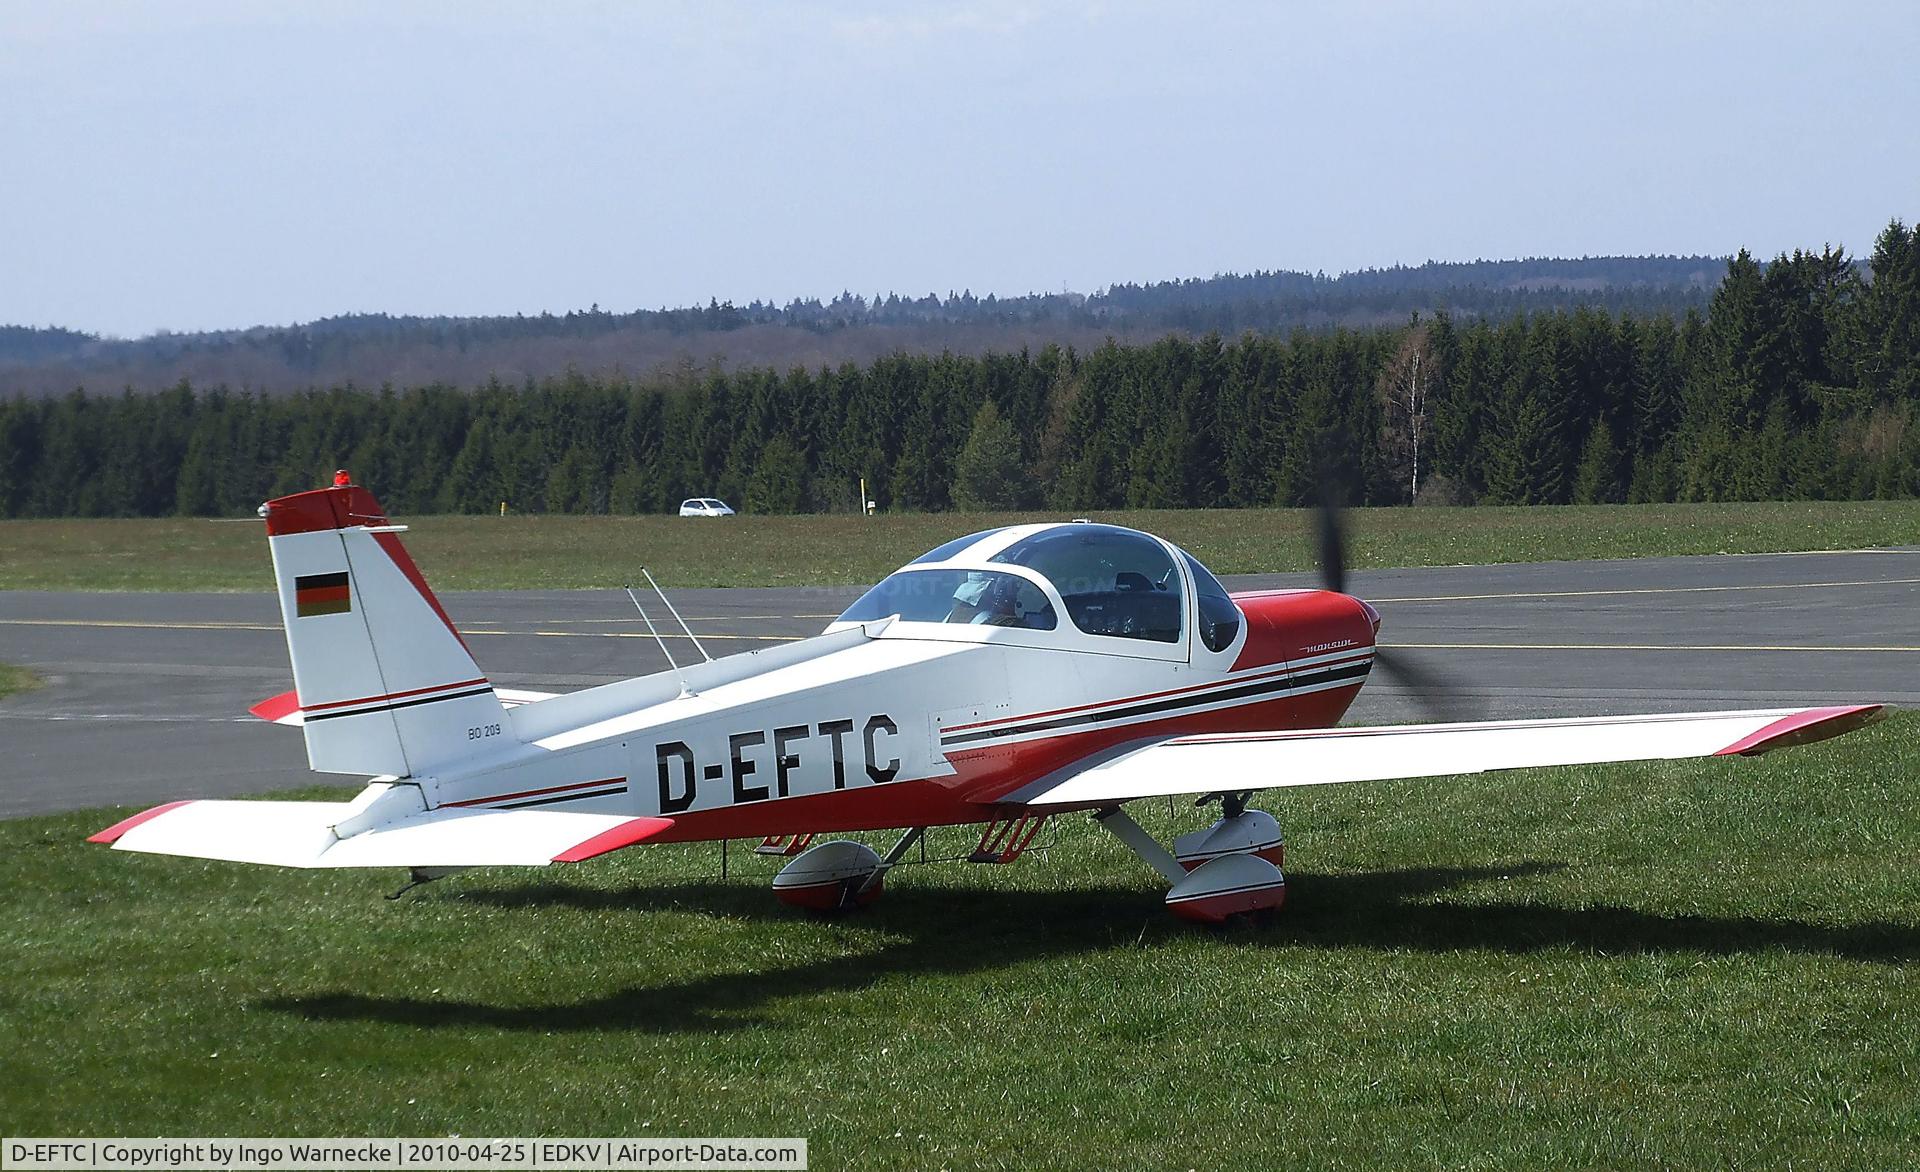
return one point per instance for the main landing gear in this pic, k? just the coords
(836, 876)
(1231, 868)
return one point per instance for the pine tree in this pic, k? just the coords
(1315, 459)
(19, 453)
(778, 481)
(1656, 375)
(1055, 448)
(195, 488)
(472, 485)
(1889, 364)
(629, 492)
(574, 485)
(1462, 400)
(1597, 480)
(988, 476)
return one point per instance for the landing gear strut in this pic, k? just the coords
(417, 876)
(1233, 803)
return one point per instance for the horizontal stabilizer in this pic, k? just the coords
(301, 834)
(285, 708)
(1264, 760)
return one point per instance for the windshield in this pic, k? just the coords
(1219, 617)
(974, 597)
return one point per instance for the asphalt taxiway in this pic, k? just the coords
(146, 695)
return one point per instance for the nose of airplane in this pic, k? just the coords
(1373, 616)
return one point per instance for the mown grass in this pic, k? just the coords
(14, 680)
(477, 553)
(1706, 964)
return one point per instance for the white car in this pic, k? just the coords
(704, 506)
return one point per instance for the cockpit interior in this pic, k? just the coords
(1110, 581)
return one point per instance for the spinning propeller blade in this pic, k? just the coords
(1433, 693)
(1331, 542)
(1437, 696)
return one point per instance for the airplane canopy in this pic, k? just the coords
(1111, 581)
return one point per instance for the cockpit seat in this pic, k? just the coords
(1127, 613)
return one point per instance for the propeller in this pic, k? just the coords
(1332, 541)
(1439, 698)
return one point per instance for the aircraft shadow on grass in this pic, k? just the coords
(940, 930)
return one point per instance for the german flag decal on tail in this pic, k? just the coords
(317, 594)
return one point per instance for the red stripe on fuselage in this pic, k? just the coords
(476, 681)
(990, 772)
(1226, 681)
(1221, 682)
(534, 793)
(984, 775)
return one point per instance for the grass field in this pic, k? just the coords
(15, 679)
(1700, 965)
(473, 553)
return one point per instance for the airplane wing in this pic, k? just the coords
(285, 708)
(301, 834)
(1263, 760)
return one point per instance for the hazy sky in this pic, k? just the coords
(194, 165)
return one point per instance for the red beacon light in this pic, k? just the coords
(342, 479)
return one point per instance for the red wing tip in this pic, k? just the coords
(626, 834)
(275, 708)
(112, 833)
(1804, 728)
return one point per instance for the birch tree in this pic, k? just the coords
(1406, 408)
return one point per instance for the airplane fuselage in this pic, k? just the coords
(880, 725)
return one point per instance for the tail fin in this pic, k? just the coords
(385, 683)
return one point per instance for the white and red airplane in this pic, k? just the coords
(1001, 679)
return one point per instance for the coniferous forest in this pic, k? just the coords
(1801, 379)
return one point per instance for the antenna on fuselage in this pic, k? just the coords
(635, 599)
(676, 615)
